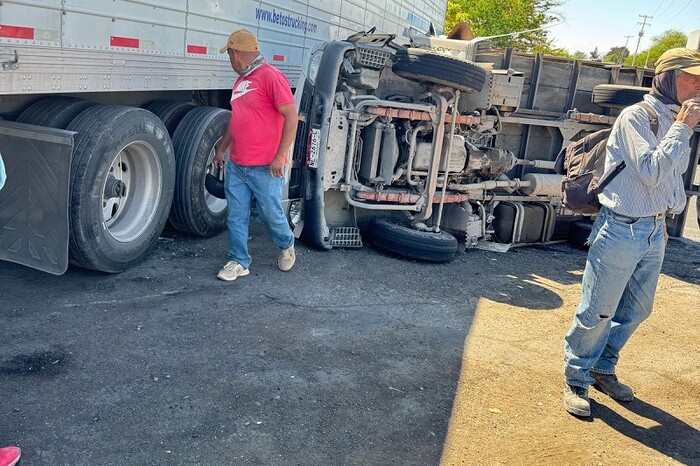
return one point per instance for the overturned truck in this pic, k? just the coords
(421, 148)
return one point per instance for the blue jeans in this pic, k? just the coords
(619, 283)
(242, 183)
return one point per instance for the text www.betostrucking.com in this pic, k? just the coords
(284, 19)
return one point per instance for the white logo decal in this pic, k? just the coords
(241, 90)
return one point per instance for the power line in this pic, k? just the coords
(679, 12)
(666, 9)
(657, 8)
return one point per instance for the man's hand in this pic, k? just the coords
(277, 165)
(665, 233)
(219, 155)
(690, 112)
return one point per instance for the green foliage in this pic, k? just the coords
(490, 18)
(617, 55)
(578, 55)
(659, 44)
(595, 54)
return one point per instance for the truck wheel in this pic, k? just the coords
(194, 209)
(54, 112)
(618, 96)
(390, 235)
(122, 178)
(425, 66)
(169, 112)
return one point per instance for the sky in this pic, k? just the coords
(605, 23)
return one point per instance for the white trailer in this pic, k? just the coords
(111, 110)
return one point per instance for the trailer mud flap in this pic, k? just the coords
(35, 200)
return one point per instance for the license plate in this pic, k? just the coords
(314, 147)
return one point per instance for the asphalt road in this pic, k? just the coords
(353, 357)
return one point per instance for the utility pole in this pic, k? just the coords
(641, 33)
(623, 51)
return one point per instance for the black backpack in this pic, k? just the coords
(582, 163)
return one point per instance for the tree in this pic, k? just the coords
(595, 54)
(659, 44)
(490, 18)
(617, 55)
(578, 55)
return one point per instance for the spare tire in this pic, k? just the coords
(426, 66)
(169, 112)
(122, 178)
(392, 236)
(195, 210)
(618, 96)
(54, 112)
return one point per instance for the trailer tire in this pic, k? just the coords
(579, 232)
(126, 152)
(618, 96)
(195, 210)
(54, 112)
(390, 235)
(169, 112)
(425, 66)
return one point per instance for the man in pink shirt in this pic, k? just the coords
(261, 131)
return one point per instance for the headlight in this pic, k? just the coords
(314, 63)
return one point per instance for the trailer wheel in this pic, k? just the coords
(169, 112)
(618, 96)
(122, 178)
(390, 235)
(425, 66)
(194, 209)
(54, 112)
(579, 231)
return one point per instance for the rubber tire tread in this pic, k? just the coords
(96, 135)
(54, 112)
(169, 112)
(425, 66)
(193, 140)
(579, 231)
(401, 240)
(618, 96)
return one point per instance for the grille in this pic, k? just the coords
(372, 58)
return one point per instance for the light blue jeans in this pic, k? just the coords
(619, 283)
(242, 183)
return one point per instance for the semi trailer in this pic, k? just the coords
(110, 110)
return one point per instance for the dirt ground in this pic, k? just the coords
(508, 407)
(352, 358)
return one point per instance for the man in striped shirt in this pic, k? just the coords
(628, 240)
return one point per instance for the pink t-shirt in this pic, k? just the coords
(256, 123)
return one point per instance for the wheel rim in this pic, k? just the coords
(131, 191)
(214, 204)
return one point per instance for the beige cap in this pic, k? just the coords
(243, 41)
(687, 60)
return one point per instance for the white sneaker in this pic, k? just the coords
(286, 259)
(231, 271)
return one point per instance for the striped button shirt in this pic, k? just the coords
(652, 180)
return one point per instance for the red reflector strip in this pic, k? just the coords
(115, 41)
(278, 58)
(197, 49)
(16, 32)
